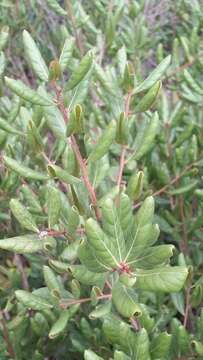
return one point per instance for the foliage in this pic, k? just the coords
(101, 198)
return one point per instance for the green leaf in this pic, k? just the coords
(54, 206)
(34, 57)
(27, 244)
(145, 214)
(191, 82)
(34, 138)
(152, 257)
(53, 116)
(57, 172)
(22, 215)
(23, 170)
(197, 295)
(183, 340)
(141, 346)
(127, 279)
(101, 245)
(148, 100)
(103, 79)
(119, 355)
(126, 217)
(4, 34)
(104, 142)
(135, 185)
(118, 332)
(4, 125)
(2, 63)
(59, 266)
(198, 346)
(86, 277)
(75, 124)
(60, 325)
(51, 281)
(145, 320)
(160, 346)
(90, 355)
(73, 220)
(54, 5)
(79, 74)
(112, 227)
(87, 258)
(49, 243)
(125, 300)
(70, 251)
(143, 237)
(66, 53)
(184, 189)
(166, 279)
(31, 198)
(146, 141)
(22, 90)
(55, 121)
(178, 301)
(31, 301)
(122, 130)
(155, 75)
(100, 311)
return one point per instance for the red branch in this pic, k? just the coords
(86, 180)
(77, 153)
(165, 187)
(64, 304)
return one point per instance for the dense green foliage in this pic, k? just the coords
(101, 180)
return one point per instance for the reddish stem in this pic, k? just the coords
(184, 242)
(19, 263)
(187, 307)
(78, 155)
(86, 180)
(84, 300)
(6, 338)
(121, 166)
(165, 187)
(74, 24)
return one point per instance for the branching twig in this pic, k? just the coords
(19, 264)
(6, 337)
(73, 21)
(77, 153)
(165, 187)
(65, 304)
(187, 306)
(86, 180)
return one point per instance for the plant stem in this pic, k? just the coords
(135, 323)
(187, 306)
(121, 165)
(165, 187)
(182, 67)
(6, 337)
(19, 264)
(184, 241)
(75, 147)
(173, 181)
(64, 304)
(74, 24)
(123, 147)
(86, 180)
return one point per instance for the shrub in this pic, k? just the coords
(91, 144)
